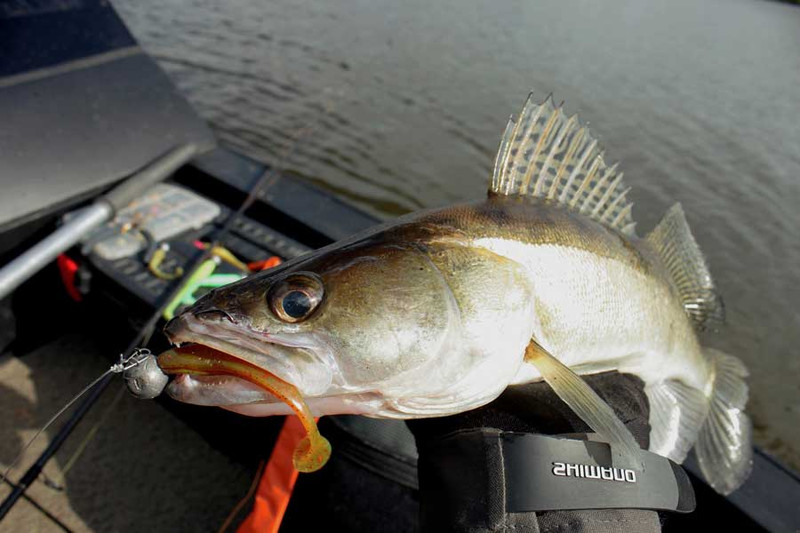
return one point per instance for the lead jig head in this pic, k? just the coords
(145, 379)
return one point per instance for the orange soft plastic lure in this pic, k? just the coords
(312, 452)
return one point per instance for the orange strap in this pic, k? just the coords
(275, 488)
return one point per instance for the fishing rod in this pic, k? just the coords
(84, 221)
(136, 357)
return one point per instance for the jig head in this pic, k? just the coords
(143, 376)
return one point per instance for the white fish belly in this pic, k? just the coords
(597, 314)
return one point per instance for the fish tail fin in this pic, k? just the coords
(676, 246)
(724, 447)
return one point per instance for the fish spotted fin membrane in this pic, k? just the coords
(673, 241)
(725, 449)
(545, 154)
(586, 403)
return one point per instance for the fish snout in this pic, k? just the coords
(217, 306)
(176, 328)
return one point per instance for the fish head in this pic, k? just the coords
(350, 328)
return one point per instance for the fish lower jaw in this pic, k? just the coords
(215, 390)
(241, 396)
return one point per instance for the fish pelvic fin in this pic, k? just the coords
(725, 446)
(586, 403)
(674, 243)
(545, 154)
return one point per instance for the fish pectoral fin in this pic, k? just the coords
(585, 402)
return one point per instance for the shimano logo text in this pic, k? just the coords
(594, 472)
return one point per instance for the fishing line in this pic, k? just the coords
(90, 435)
(93, 431)
(135, 359)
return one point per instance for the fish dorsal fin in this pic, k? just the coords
(545, 154)
(681, 255)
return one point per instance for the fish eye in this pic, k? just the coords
(296, 304)
(294, 298)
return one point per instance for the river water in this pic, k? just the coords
(400, 105)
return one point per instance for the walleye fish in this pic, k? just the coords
(438, 312)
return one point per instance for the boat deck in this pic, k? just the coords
(143, 470)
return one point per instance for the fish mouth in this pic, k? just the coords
(203, 345)
(233, 339)
(212, 358)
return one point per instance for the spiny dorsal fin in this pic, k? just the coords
(546, 154)
(680, 253)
